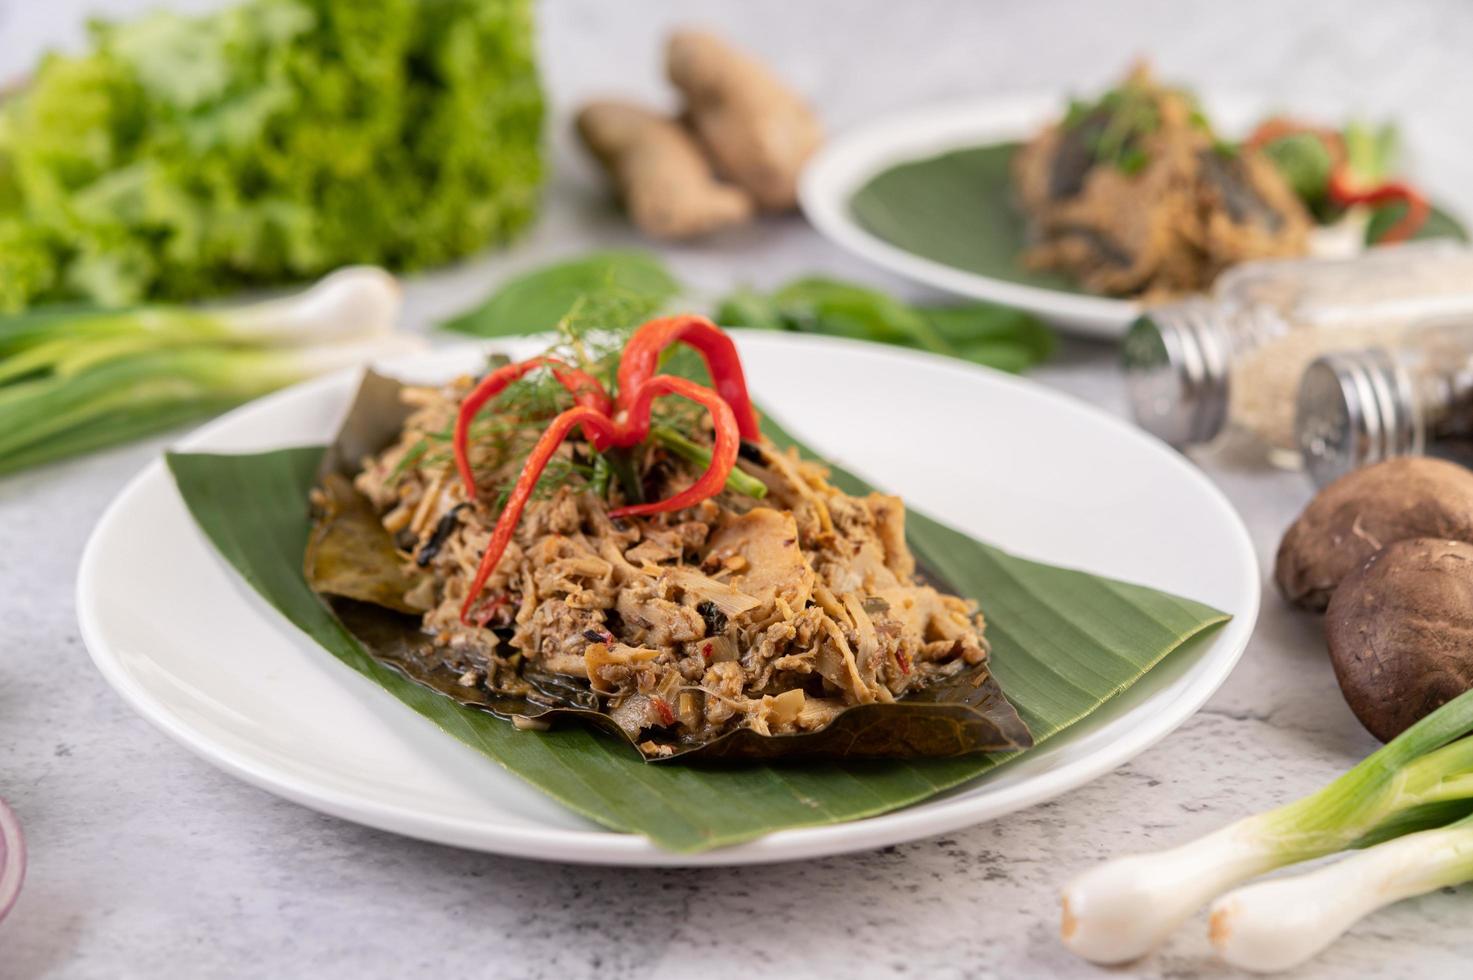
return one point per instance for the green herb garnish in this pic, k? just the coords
(188, 155)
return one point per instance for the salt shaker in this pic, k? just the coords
(1357, 407)
(1205, 370)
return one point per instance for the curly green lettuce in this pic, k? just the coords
(184, 156)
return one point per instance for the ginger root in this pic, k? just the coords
(756, 130)
(668, 187)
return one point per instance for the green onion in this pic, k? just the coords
(1276, 925)
(621, 465)
(692, 452)
(602, 474)
(75, 380)
(1121, 909)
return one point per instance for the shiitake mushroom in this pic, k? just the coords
(1365, 510)
(1400, 632)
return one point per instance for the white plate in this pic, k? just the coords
(193, 649)
(847, 162)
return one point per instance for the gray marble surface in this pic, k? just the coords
(148, 863)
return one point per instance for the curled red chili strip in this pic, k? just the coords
(1344, 192)
(732, 417)
(642, 358)
(584, 387)
(591, 420)
(636, 425)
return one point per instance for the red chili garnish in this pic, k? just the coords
(642, 358)
(584, 387)
(732, 419)
(706, 650)
(723, 453)
(903, 661)
(537, 460)
(1343, 191)
(666, 715)
(490, 609)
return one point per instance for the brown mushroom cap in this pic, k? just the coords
(1400, 630)
(1365, 510)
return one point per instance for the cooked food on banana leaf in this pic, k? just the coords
(1134, 195)
(646, 560)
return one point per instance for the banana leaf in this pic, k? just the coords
(957, 208)
(351, 560)
(1064, 642)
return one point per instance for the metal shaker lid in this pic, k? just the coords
(1176, 369)
(1355, 408)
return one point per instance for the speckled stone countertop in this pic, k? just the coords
(146, 862)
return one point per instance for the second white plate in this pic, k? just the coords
(191, 647)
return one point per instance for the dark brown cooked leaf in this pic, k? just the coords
(342, 560)
(967, 713)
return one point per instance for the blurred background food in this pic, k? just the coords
(1135, 194)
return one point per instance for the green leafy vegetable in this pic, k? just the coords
(820, 305)
(982, 333)
(1305, 163)
(619, 289)
(1064, 642)
(1439, 224)
(539, 300)
(183, 156)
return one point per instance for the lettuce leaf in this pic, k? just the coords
(184, 156)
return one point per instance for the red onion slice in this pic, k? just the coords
(12, 858)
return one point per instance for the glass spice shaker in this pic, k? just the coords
(1358, 407)
(1225, 369)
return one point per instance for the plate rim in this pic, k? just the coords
(607, 847)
